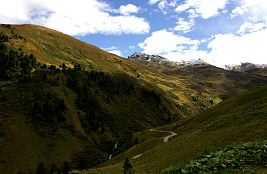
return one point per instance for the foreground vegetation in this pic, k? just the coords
(241, 158)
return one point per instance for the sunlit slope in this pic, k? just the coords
(53, 47)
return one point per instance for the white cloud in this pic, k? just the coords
(153, 1)
(174, 47)
(237, 11)
(203, 8)
(74, 17)
(249, 27)
(232, 49)
(113, 50)
(225, 49)
(254, 10)
(128, 9)
(162, 5)
(184, 26)
(117, 52)
(155, 44)
(132, 47)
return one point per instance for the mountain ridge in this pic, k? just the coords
(243, 67)
(142, 57)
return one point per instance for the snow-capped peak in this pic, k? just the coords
(162, 60)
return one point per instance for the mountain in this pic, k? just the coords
(167, 65)
(249, 67)
(237, 120)
(149, 58)
(202, 75)
(66, 101)
(156, 60)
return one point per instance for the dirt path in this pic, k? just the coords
(137, 156)
(167, 138)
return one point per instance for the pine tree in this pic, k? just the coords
(127, 167)
(66, 167)
(41, 169)
(54, 169)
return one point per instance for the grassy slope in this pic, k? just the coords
(205, 84)
(118, 95)
(235, 121)
(52, 47)
(23, 143)
(47, 140)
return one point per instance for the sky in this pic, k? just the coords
(221, 32)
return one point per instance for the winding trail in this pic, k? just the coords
(165, 139)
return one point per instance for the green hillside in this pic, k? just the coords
(65, 101)
(192, 89)
(234, 121)
(56, 115)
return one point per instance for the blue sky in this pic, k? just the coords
(222, 32)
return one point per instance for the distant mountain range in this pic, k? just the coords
(156, 59)
(248, 67)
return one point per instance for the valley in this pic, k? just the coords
(64, 102)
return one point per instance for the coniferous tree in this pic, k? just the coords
(41, 169)
(127, 167)
(54, 169)
(66, 167)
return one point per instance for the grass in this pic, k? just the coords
(235, 121)
(24, 146)
(230, 160)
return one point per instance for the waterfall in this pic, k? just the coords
(114, 148)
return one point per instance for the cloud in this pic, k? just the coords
(75, 17)
(249, 27)
(128, 9)
(113, 50)
(164, 6)
(155, 44)
(117, 52)
(224, 49)
(132, 47)
(202, 8)
(151, 2)
(184, 26)
(174, 47)
(237, 11)
(233, 49)
(252, 10)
